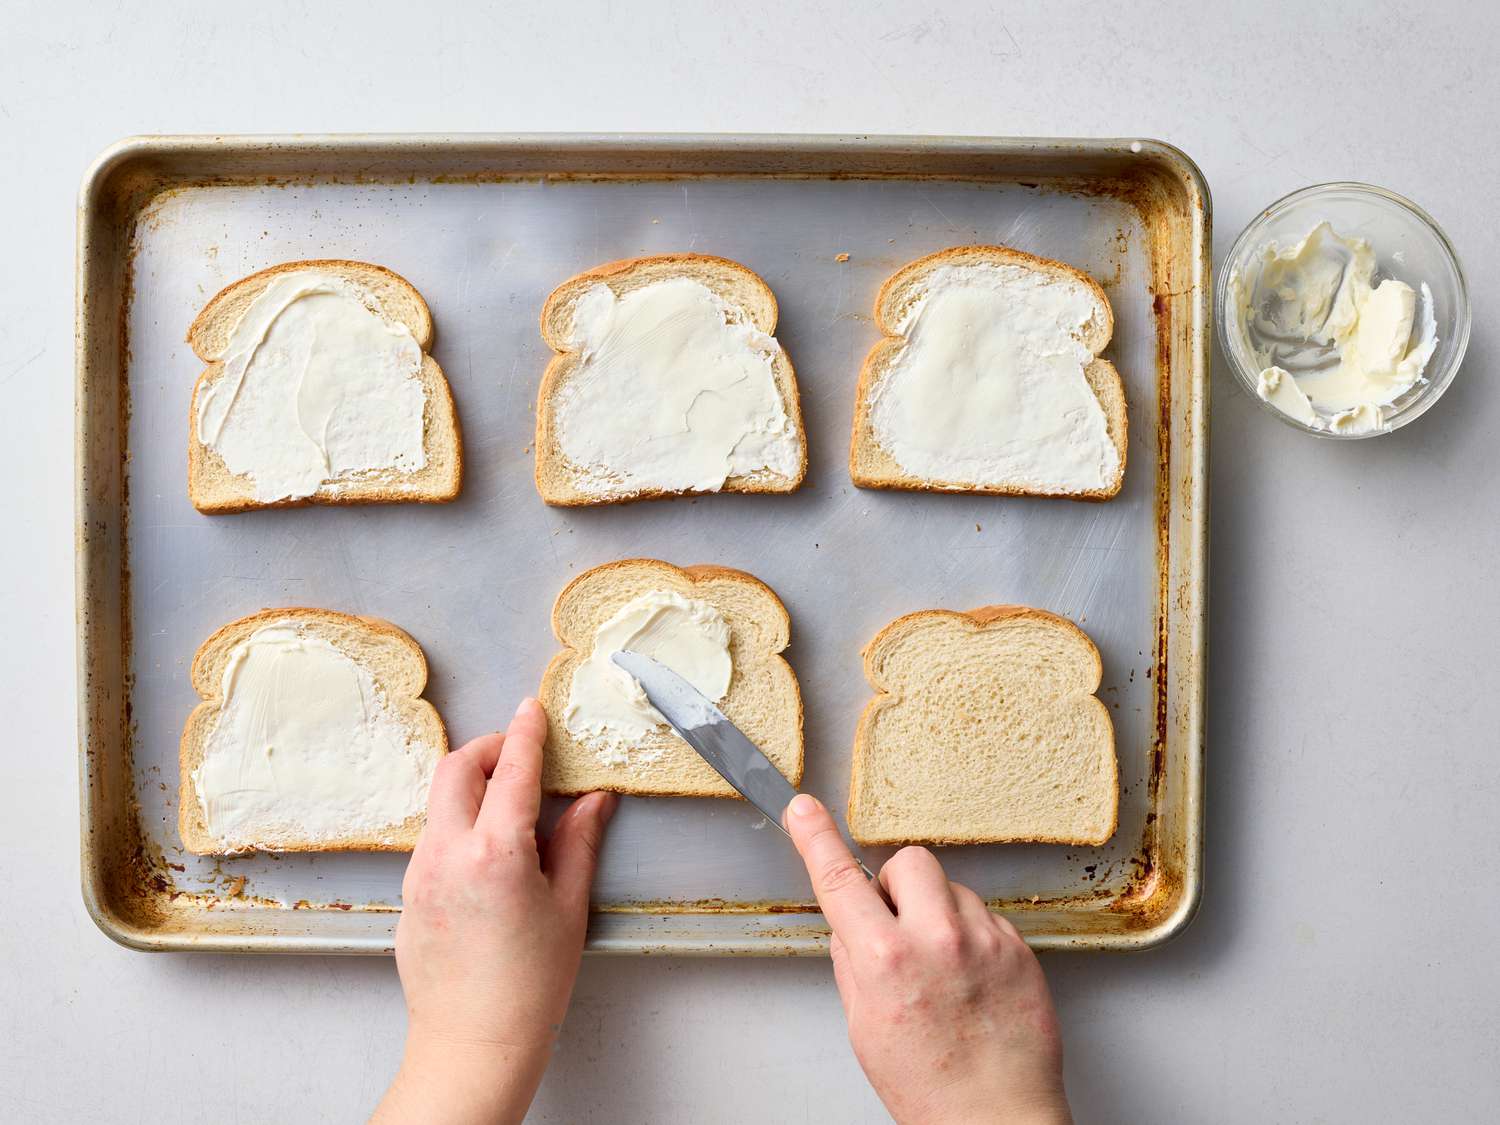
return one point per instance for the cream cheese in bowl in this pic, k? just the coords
(1343, 310)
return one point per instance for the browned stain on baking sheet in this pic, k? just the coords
(702, 906)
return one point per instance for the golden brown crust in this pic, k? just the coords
(984, 615)
(862, 438)
(189, 748)
(545, 442)
(941, 841)
(663, 263)
(250, 622)
(989, 254)
(981, 617)
(201, 458)
(698, 572)
(889, 484)
(249, 286)
(987, 613)
(693, 574)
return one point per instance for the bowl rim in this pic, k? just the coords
(1437, 385)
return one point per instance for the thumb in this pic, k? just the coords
(573, 851)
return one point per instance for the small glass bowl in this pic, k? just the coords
(1393, 225)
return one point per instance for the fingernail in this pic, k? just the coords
(529, 701)
(803, 804)
(590, 803)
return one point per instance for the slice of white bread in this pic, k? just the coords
(561, 482)
(396, 663)
(986, 729)
(872, 466)
(213, 489)
(763, 700)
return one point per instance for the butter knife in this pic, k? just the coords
(718, 741)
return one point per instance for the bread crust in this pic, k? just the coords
(207, 664)
(653, 267)
(562, 663)
(863, 733)
(548, 452)
(1100, 373)
(439, 412)
(247, 288)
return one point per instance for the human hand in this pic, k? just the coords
(949, 1014)
(491, 931)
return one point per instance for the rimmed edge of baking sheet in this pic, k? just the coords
(129, 893)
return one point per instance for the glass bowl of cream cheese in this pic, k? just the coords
(1343, 310)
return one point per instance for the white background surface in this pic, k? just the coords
(1341, 968)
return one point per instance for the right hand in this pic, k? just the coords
(948, 1010)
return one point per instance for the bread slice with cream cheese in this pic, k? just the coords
(985, 729)
(762, 696)
(255, 777)
(341, 423)
(989, 380)
(667, 380)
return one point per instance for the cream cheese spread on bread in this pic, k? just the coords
(316, 386)
(606, 706)
(989, 384)
(305, 745)
(1336, 349)
(673, 392)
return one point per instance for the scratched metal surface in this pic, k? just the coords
(474, 581)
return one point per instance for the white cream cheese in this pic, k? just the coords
(1281, 391)
(1335, 348)
(989, 386)
(670, 393)
(607, 708)
(305, 745)
(316, 387)
(1362, 419)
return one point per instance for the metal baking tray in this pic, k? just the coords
(485, 226)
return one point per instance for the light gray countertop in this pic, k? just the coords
(1338, 968)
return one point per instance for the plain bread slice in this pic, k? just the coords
(985, 729)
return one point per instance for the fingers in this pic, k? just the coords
(914, 879)
(458, 784)
(573, 851)
(851, 904)
(971, 907)
(514, 794)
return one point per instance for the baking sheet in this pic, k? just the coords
(474, 581)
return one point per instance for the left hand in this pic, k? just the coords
(491, 931)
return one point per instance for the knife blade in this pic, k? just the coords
(700, 723)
